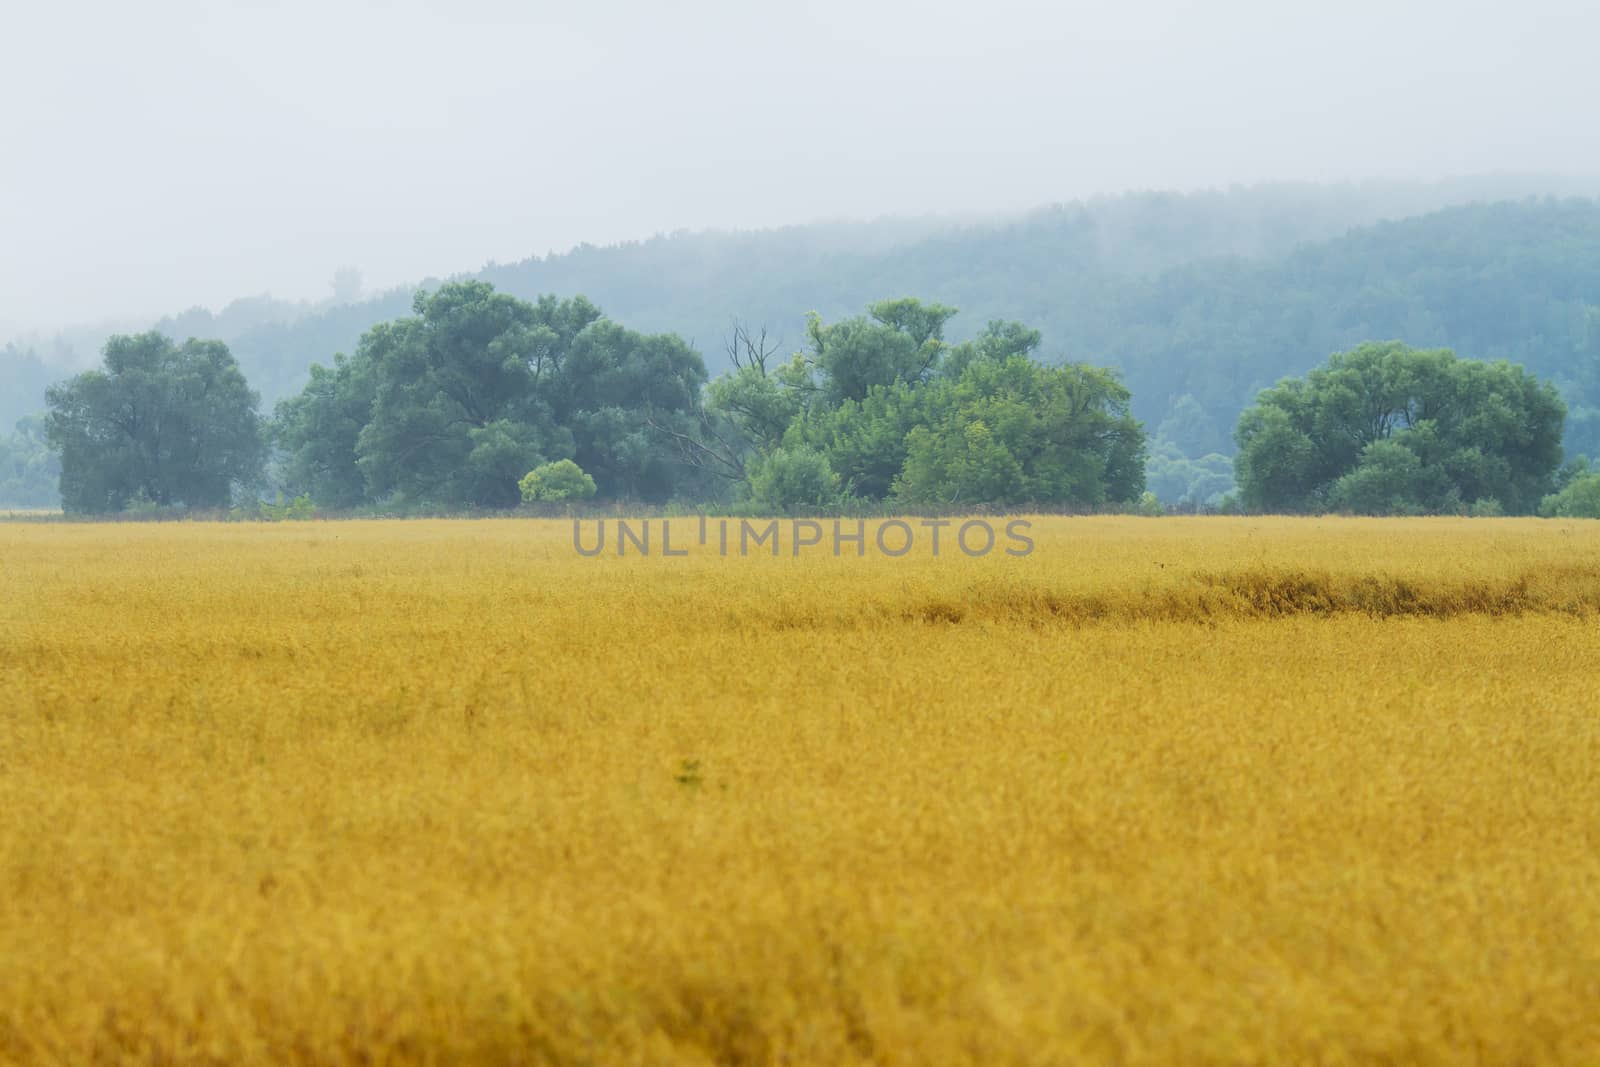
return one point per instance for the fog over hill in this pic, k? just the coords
(1209, 295)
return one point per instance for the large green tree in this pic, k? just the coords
(456, 403)
(457, 414)
(884, 406)
(319, 429)
(1388, 428)
(1011, 431)
(173, 425)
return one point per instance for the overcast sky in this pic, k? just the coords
(158, 155)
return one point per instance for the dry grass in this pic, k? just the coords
(1201, 791)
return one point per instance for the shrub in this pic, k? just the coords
(1579, 500)
(552, 482)
(300, 508)
(794, 478)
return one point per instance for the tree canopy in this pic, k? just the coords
(1199, 301)
(455, 404)
(1577, 494)
(30, 472)
(881, 408)
(1388, 429)
(161, 423)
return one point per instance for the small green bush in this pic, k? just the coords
(553, 482)
(1579, 500)
(790, 479)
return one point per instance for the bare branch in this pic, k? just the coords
(748, 349)
(723, 461)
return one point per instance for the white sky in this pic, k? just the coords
(163, 154)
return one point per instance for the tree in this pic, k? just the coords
(622, 395)
(1389, 479)
(26, 376)
(1182, 482)
(893, 411)
(30, 473)
(791, 479)
(1385, 427)
(454, 404)
(457, 403)
(168, 424)
(964, 466)
(1188, 428)
(320, 428)
(1213, 296)
(999, 341)
(458, 415)
(1011, 431)
(748, 410)
(866, 440)
(553, 482)
(1577, 495)
(898, 341)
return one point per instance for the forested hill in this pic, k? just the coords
(1519, 281)
(1206, 296)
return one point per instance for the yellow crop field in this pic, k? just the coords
(1158, 791)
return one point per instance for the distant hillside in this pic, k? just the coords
(25, 376)
(1205, 295)
(1512, 280)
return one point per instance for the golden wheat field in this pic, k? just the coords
(1162, 791)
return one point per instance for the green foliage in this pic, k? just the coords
(1579, 499)
(300, 509)
(142, 507)
(1190, 484)
(790, 479)
(169, 425)
(1211, 296)
(558, 481)
(319, 430)
(622, 395)
(1011, 431)
(454, 405)
(456, 415)
(998, 342)
(866, 440)
(1389, 479)
(888, 409)
(1150, 506)
(26, 375)
(1388, 429)
(760, 406)
(30, 473)
(1191, 431)
(965, 464)
(897, 342)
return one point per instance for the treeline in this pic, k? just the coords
(480, 400)
(1206, 296)
(30, 471)
(457, 403)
